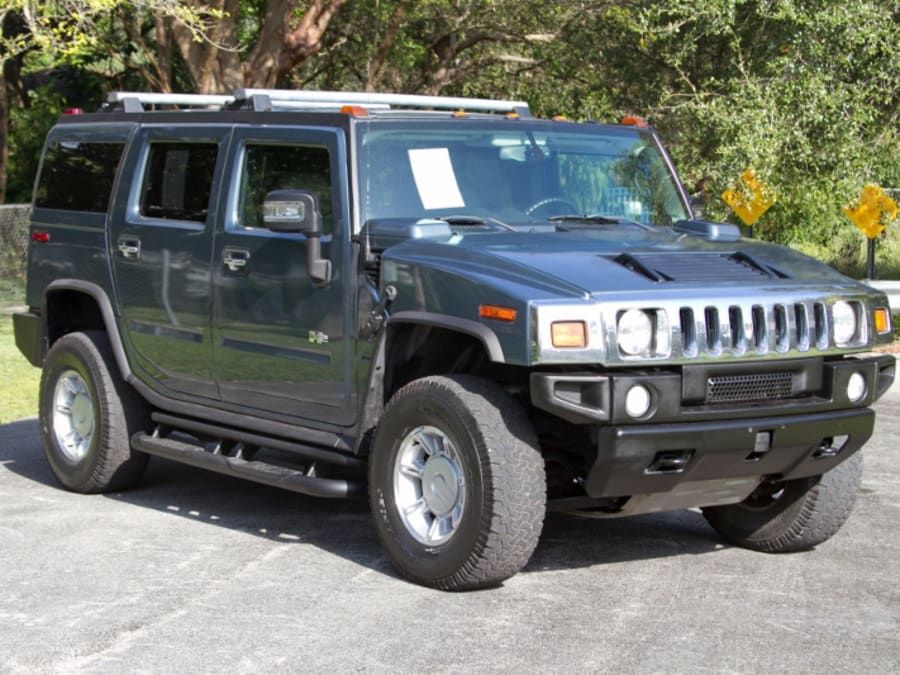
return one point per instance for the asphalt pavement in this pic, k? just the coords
(192, 572)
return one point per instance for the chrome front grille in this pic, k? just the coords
(753, 329)
(748, 388)
(718, 323)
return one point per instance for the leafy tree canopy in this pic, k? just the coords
(803, 91)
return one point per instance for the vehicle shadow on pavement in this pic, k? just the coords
(569, 541)
(344, 527)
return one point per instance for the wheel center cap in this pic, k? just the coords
(440, 485)
(82, 416)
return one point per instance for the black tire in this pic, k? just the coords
(463, 536)
(791, 516)
(87, 416)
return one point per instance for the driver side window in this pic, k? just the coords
(280, 167)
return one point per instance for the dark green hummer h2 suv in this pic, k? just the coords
(470, 314)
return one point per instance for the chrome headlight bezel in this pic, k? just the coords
(642, 333)
(848, 325)
(634, 332)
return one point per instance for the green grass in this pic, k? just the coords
(18, 378)
(12, 292)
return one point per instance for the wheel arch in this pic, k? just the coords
(74, 305)
(417, 344)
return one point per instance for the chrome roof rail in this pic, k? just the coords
(291, 99)
(128, 99)
(374, 100)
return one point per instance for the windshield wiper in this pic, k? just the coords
(597, 219)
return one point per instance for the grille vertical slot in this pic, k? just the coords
(736, 322)
(760, 329)
(713, 336)
(820, 319)
(801, 321)
(782, 330)
(688, 332)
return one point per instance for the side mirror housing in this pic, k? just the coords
(297, 211)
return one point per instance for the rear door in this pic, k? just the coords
(280, 344)
(161, 240)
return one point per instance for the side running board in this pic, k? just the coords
(237, 459)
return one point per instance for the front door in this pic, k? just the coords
(280, 346)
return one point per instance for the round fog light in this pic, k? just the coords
(637, 401)
(856, 387)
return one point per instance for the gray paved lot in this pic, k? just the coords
(197, 573)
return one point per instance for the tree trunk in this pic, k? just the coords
(376, 66)
(163, 27)
(280, 49)
(261, 68)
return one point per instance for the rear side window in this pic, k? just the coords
(178, 180)
(78, 176)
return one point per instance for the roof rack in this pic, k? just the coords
(134, 101)
(289, 99)
(371, 99)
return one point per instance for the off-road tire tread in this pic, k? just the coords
(816, 510)
(122, 412)
(515, 485)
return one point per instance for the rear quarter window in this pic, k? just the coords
(78, 175)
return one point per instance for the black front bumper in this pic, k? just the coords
(686, 451)
(644, 459)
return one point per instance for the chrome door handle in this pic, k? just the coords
(236, 260)
(130, 248)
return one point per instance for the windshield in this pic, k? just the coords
(515, 172)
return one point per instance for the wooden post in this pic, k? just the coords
(870, 259)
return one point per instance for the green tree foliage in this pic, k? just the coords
(804, 91)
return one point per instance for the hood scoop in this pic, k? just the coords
(698, 267)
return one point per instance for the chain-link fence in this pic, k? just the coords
(13, 240)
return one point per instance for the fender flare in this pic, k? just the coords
(372, 404)
(98, 294)
(477, 330)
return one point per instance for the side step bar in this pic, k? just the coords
(217, 431)
(259, 472)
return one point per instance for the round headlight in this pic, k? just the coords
(844, 318)
(635, 332)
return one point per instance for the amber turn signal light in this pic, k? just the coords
(496, 312)
(568, 334)
(882, 320)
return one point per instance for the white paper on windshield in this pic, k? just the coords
(435, 179)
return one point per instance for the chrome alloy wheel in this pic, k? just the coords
(429, 485)
(73, 416)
